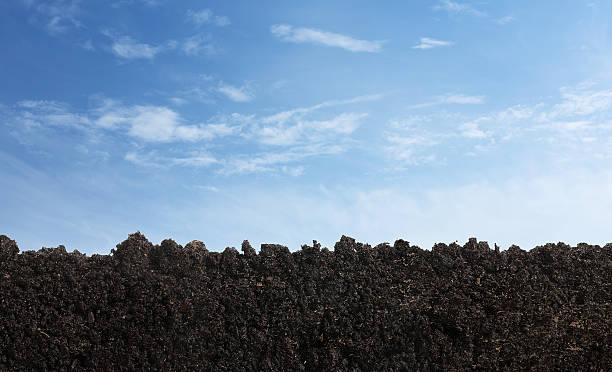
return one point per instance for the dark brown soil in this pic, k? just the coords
(167, 307)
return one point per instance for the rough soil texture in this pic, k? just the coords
(167, 307)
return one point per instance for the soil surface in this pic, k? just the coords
(168, 307)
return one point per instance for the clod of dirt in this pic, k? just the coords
(358, 307)
(247, 249)
(8, 248)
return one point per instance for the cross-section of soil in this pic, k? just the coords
(168, 307)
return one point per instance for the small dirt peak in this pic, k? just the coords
(135, 249)
(8, 248)
(247, 250)
(273, 250)
(196, 245)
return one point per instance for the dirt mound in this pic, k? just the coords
(168, 307)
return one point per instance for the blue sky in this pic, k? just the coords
(284, 122)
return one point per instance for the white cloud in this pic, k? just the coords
(204, 187)
(88, 45)
(309, 35)
(505, 20)
(153, 124)
(429, 43)
(45, 114)
(344, 123)
(57, 16)
(194, 160)
(236, 94)
(581, 103)
(568, 126)
(261, 163)
(151, 3)
(462, 99)
(407, 149)
(279, 84)
(127, 48)
(206, 16)
(471, 130)
(313, 130)
(514, 114)
(178, 101)
(283, 116)
(198, 44)
(158, 124)
(277, 161)
(411, 141)
(151, 159)
(292, 171)
(456, 7)
(154, 127)
(292, 127)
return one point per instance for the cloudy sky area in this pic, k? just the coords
(284, 122)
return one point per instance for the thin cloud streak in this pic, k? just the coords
(151, 159)
(459, 99)
(125, 47)
(505, 20)
(128, 48)
(58, 16)
(206, 16)
(578, 122)
(308, 35)
(457, 7)
(429, 43)
(236, 94)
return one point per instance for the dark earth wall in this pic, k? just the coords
(167, 307)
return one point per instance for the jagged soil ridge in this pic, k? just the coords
(168, 307)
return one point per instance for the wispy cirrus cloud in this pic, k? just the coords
(579, 122)
(412, 141)
(429, 43)
(471, 130)
(151, 3)
(505, 20)
(461, 99)
(57, 16)
(289, 127)
(288, 137)
(580, 102)
(236, 94)
(126, 47)
(283, 116)
(277, 162)
(153, 159)
(199, 44)
(314, 36)
(458, 7)
(155, 123)
(310, 130)
(45, 114)
(206, 16)
(451, 98)
(147, 123)
(288, 131)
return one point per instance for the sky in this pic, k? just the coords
(288, 121)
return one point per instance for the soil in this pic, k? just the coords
(389, 307)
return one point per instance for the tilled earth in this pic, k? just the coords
(168, 307)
